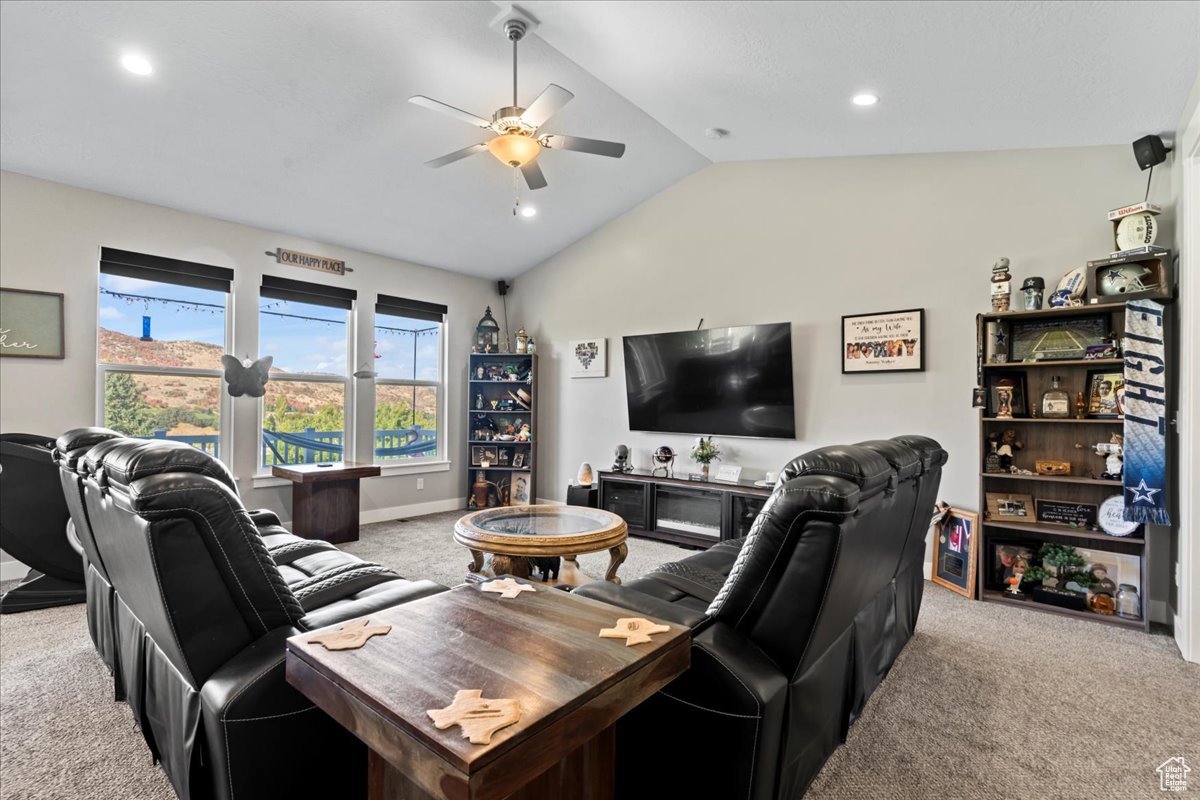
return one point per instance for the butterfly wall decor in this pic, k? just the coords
(247, 377)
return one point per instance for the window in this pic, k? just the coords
(162, 328)
(408, 383)
(305, 327)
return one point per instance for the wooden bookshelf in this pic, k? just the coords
(1070, 440)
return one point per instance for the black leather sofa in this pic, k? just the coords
(794, 626)
(190, 599)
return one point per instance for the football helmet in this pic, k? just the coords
(1124, 279)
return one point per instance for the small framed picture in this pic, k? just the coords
(518, 460)
(979, 397)
(503, 457)
(520, 490)
(954, 551)
(1006, 562)
(1058, 339)
(891, 341)
(1010, 507)
(483, 456)
(1105, 394)
(587, 358)
(1019, 406)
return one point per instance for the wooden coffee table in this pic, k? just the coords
(540, 649)
(514, 534)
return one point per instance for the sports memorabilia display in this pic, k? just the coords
(1031, 291)
(1136, 230)
(1001, 285)
(1057, 339)
(1070, 289)
(1139, 274)
(1145, 408)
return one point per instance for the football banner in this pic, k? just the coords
(1145, 406)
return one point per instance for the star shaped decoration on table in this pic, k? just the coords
(478, 716)
(350, 636)
(634, 630)
(1001, 337)
(507, 588)
(1142, 492)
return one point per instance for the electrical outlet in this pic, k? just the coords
(420, 484)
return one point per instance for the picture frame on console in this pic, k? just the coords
(955, 546)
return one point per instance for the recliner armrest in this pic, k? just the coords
(255, 720)
(262, 517)
(641, 602)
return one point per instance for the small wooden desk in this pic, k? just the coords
(325, 499)
(541, 649)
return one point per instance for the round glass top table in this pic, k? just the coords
(518, 536)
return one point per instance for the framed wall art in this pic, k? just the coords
(31, 324)
(955, 551)
(587, 358)
(891, 341)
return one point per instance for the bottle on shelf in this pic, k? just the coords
(1056, 401)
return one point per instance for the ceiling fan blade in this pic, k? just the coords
(450, 111)
(450, 158)
(534, 178)
(547, 104)
(597, 147)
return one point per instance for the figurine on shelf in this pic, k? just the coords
(1113, 452)
(1005, 444)
(478, 400)
(1080, 405)
(1004, 398)
(1032, 290)
(1001, 286)
(621, 464)
(524, 434)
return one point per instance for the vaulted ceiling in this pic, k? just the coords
(291, 116)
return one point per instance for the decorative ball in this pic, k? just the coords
(664, 455)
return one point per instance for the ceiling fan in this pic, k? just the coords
(517, 142)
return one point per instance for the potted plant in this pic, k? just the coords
(704, 452)
(1061, 564)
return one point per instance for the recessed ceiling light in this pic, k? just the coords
(865, 99)
(528, 211)
(138, 65)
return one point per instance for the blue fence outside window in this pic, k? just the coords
(310, 446)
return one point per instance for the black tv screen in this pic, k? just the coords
(723, 381)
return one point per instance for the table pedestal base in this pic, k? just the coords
(586, 773)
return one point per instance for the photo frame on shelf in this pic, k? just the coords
(1009, 507)
(483, 456)
(1105, 393)
(955, 546)
(1006, 558)
(518, 459)
(1064, 339)
(32, 324)
(587, 358)
(1020, 393)
(889, 341)
(520, 491)
(1074, 515)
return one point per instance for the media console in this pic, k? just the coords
(695, 513)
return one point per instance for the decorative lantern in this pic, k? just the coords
(487, 334)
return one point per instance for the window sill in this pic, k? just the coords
(265, 480)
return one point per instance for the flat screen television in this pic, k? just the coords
(722, 381)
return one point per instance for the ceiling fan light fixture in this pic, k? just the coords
(514, 149)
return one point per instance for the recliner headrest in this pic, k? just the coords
(92, 459)
(928, 450)
(74, 444)
(137, 458)
(904, 460)
(865, 468)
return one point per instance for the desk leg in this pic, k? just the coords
(616, 557)
(326, 510)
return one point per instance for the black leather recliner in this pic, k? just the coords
(201, 596)
(793, 627)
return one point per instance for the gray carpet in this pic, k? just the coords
(985, 702)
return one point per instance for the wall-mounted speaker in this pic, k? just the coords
(1150, 151)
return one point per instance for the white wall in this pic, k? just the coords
(807, 241)
(51, 241)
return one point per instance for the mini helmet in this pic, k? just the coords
(1124, 279)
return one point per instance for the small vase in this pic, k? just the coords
(704, 471)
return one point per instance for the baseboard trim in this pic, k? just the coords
(413, 510)
(12, 570)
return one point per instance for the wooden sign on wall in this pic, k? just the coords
(294, 258)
